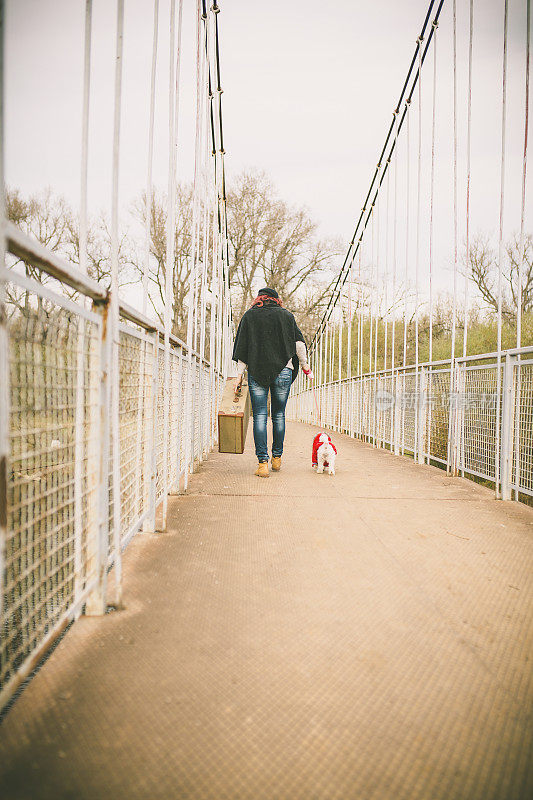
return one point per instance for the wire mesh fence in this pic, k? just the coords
(522, 473)
(439, 415)
(49, 559)
(477, 420)
(60, 491)
(438, 418)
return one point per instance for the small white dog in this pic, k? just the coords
(324, 454)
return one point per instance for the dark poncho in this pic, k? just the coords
(266, 340)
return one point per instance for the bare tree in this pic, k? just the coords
(269, 244)
(183, 253)
(277, 245)
(48, 218)
(482, 268)
(43, 216)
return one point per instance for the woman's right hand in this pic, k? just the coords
(309, 374)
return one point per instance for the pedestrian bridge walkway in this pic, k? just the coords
(301, 637)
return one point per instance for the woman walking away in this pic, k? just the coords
(270, 344)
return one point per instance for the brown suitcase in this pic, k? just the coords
(233, 418)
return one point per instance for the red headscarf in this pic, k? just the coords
(261, 298)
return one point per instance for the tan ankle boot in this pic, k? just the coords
(262, 470)
(276, 463)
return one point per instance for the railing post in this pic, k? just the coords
(422, 414)
(79, 428)
(398, 402)
(517, 390)
(150, 460)
(506, 428)
(350, 406)
(181, 418)
(451, 459)
(457, 415)
(462, 401)
(173, 400)
(96, 601)
(362, 408)
(429, 412)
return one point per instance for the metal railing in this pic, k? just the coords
(439, 415)
(59, 490)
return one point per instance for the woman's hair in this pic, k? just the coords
(269, 292)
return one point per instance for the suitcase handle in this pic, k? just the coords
(238, 392)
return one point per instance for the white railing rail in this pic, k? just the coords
(411, 411)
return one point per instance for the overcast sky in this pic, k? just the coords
(309, 89)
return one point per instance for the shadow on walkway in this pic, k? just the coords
(298, 638)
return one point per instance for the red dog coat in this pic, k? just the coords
(316, 445)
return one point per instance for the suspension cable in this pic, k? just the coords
(326, 355)
(170, 238)
(500, 253)
(85, 135)
(431, 233)
(222, 210)
(521, 248)
(80, 355)
(453, 412)
(360, 342)
(455, 237)
(341, 321)
(521, 255)
(192, 310)
(406, 290)
(114, 302)
(376, 180)
(376, 334)
(372, 293)
(349, 332)
(394, 272)
(468, 154)
(394, 244)
(432, 190)
(419, 179)
(149, 170)
(386, 274)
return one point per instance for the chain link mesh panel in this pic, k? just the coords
(523, 428)
(409, 400)
(160, 406)
(176, 401)
(438, 413)
(52, 487)
(478, 402)
(135, 423)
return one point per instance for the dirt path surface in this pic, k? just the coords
(298, 638)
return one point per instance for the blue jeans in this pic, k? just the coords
(279, 394)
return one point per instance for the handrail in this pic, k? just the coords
(29, 249)
(513, 351)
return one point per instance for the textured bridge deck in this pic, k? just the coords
(363, 636)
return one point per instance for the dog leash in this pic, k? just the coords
(316, 406)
